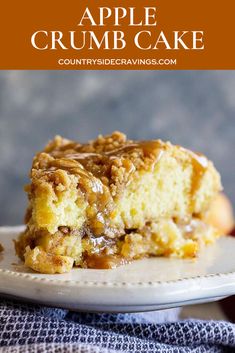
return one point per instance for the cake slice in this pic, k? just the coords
(106, 202)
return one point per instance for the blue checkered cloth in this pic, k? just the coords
(33, 328)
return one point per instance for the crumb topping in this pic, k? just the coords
(111, 159)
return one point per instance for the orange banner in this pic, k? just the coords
(150, 34)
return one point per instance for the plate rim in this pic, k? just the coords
(32, 277)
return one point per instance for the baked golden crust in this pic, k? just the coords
(109, 188)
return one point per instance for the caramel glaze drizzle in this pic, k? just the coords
(200, 165)
(104, 261)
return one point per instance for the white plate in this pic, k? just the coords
(149, 284)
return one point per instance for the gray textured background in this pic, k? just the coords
(192, 108)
